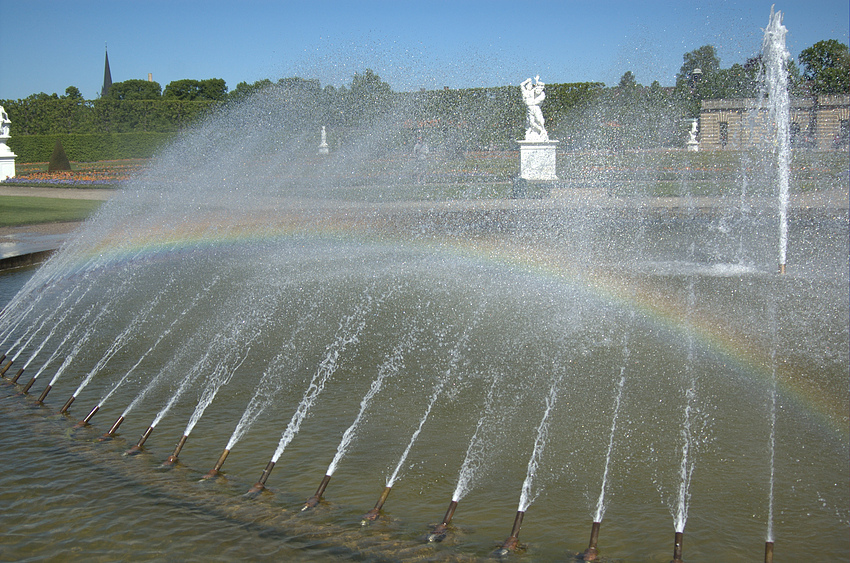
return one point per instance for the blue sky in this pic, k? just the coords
(46, 46)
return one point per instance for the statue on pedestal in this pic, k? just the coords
(7, 157)
(533, 95)
(4, 122)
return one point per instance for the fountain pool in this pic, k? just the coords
(583, 357)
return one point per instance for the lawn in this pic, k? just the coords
(20, 210)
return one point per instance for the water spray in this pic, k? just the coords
(172, 459)
(372, 515)
(592, 553)
(313, 501)
(439, 532)
(512, 542)
(138, 447)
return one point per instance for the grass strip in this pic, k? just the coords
(23, 210)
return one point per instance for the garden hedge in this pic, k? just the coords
(89, 147)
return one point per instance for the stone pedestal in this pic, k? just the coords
(537, 160)
(7, 160)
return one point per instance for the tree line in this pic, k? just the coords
(580, 114)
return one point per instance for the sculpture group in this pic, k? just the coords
(7, 157)
(537, 152)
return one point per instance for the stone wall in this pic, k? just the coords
(819, 123)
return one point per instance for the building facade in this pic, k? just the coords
(821, 123)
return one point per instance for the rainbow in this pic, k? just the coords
(713, 334)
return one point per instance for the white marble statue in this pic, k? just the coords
(4, 122)
(323, 146)
(533, 96)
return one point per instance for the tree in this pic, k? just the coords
(826, 66)
(697, 79)
(135, 89)
(213, 89)
(627, 81)
(705, 59)
(58, 159)
(368, 96)
(243, 89)
(73, 93)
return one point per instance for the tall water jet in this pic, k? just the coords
(775, 75)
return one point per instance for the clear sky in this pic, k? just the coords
(46, 46)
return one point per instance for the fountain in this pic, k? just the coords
(632, 360)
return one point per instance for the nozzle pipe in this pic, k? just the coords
(44, 393)
(6, 367)
(217, 468)
(111, 432)
(261, 483)
(89, 416)
(313, 501)
(2, 357)
(591, 553)
(677, 548)
(67, 405)
(372, 515)
(138, 447)
(26, 388)
(440, 531)
(513, 540)
(768, 552)
(782, 268)
(17, 375)
(172, 459)
(85, 421)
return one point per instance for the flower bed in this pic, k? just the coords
(83, 174)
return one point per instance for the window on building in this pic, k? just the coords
(724, 133)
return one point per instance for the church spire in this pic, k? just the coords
(107, 77)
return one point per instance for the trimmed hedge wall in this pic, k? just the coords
(89, 148)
